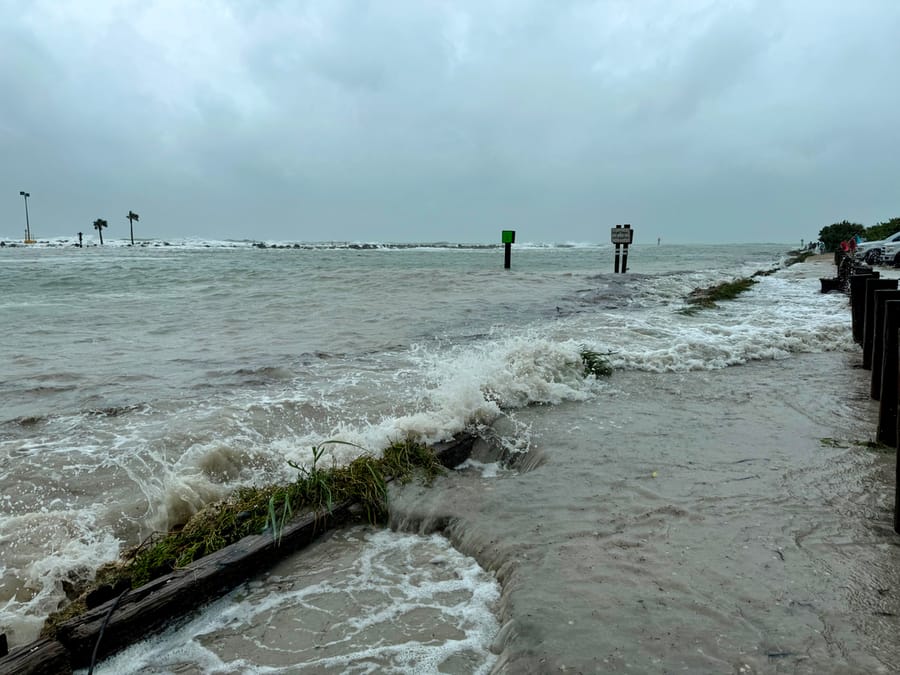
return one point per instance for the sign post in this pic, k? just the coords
(508, 238)
(622, 237)
(132, 216)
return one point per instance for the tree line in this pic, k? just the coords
(832, 235)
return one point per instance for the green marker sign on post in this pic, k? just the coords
(508, 238)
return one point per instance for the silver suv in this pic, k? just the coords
(890, 254)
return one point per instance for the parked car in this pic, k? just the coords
(874, 252)
(890, 254)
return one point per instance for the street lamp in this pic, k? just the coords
(28, 239)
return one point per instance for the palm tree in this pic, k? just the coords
(99, 224)
(132, 216)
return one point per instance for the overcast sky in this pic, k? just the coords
(428, 120)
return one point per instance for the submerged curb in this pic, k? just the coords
(146, 610)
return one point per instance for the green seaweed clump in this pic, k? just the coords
(595, 364)
(706, 298)
(797, 257)
(764, 273)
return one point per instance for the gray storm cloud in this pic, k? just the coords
(403, 121)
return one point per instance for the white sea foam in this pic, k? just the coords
(455, 389)
(472, 385)
(487, 470)
(71, 547)
(378, 602)
(774, 319)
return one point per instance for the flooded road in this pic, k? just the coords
(714, 522)
(729, 521)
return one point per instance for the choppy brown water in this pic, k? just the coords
(686, 515)
(137, 385)
(713, 522)
(692, 523)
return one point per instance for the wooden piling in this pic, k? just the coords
(896, 472)
(890, 391)
(897, 498)
(858, 301)
(897, 490)
(872, 285)
(881, 297)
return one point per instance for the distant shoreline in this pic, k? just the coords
(198, 243)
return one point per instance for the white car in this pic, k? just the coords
(883, 250)
(890, 254)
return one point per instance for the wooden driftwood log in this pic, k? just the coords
(138, 613)
(42, 656)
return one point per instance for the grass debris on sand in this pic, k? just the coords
(255, 510)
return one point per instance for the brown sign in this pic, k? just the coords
(622, 235)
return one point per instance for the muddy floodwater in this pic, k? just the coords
(713, 506)
(714, 523)
(730, 521)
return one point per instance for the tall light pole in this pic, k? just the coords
(28, 239)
